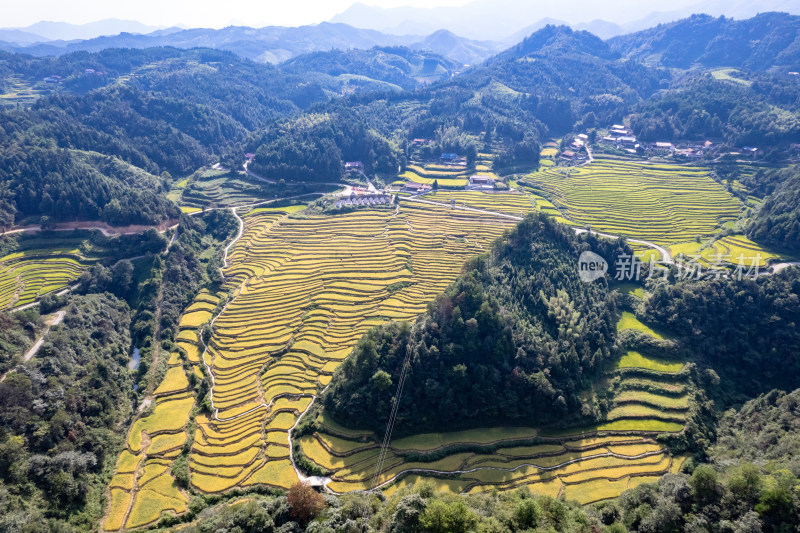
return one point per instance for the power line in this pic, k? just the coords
(387, 438)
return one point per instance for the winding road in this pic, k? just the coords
(54, 320)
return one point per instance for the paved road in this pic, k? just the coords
(664, 252)
(254, 175)
(94, 225)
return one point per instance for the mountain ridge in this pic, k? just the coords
(271, 44)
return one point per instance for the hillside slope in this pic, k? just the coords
(515, 339)
(762, 42)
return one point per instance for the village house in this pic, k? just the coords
(453, 159)
(618, 130)
(689, 153)
(416, 188)
(480, 182)
(355, 166)
(662, 148)
(751, 151)
(569, 155)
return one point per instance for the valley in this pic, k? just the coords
(325, 278)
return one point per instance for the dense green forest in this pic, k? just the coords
(61, 415)
(515, 339)
(777, 220)
(17, 332)
(758, 43)
(745, 330)
(705, 108)
(393, 67)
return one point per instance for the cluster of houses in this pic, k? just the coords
(573, 153)
(363, 200)
(623, 138)
(478, 182)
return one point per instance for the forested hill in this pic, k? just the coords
(397, 67)
(744, 330)
(560, 75)
(530, 92)
(764, 41)
(515, 339)
(113, 133)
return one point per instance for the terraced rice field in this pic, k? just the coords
(727, 251)
(304, 291)
(511, 203)
(585, 464)
(216, 187)
(454, 177)
(143, 488)
(27, 276)
(656, 202)
(307, 291)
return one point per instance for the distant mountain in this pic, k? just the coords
(457, 48)
(558, 75)
(64, 31)
(499, 19)
(602, 28)
(521, 34)
(762, 42)
(558, 41)
(272, 44)
(20, 37)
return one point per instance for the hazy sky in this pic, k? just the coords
(193, 13)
